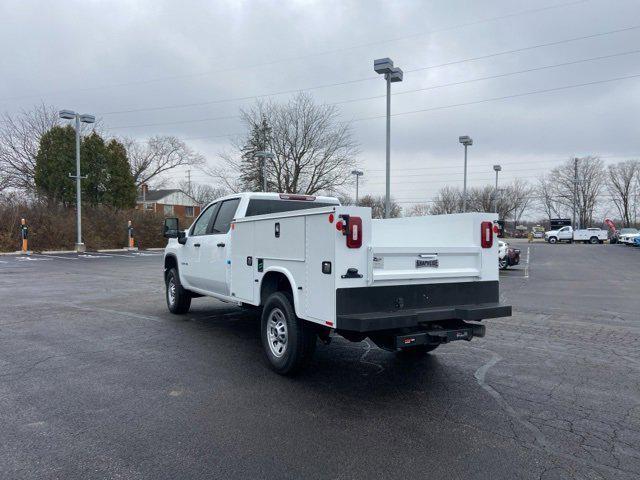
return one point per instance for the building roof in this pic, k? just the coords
(157, 195)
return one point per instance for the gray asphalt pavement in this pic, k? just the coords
(98, 380)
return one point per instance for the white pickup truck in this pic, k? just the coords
(315, 268)
(568, 234)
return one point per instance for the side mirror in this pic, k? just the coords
(171, 228)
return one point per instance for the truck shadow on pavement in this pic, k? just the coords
(356, 370)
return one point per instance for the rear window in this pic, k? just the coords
(260, 206)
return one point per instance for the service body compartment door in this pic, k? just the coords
(318, 291)
(243, 264)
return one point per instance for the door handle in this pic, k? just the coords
(221, 244)
(196, 244)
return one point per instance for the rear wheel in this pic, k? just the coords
(288, 341)
(178, 299)
(594, 240)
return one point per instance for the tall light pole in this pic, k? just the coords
(391, 74)
(496, 168)
(466, 141)
(84, 118)
(358, 174)
(263, 164)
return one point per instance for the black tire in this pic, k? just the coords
(553, 240)
(503, 264)
(418, 351)
(594, 240)
(179, 301)
(279, 322)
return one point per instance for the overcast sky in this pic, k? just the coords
(108, 56)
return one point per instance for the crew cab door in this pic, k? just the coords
(212, 271)
(565, 233)
(192, 251)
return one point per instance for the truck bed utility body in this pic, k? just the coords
(394, 280)
(568, 234)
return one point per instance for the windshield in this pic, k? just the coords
(628, 230)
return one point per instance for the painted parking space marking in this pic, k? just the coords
(47, 255)
(32, 259)
(91, 255)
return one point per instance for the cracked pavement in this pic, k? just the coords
(97, 380)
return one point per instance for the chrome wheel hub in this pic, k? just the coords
(277, 333)
(171, 291)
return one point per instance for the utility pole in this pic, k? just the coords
(84, 118)
(465, 140)
(575, 192)
(384, 66)
(497, 169)
(189, 181)
(357, 173)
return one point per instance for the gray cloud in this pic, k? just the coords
(102, 57)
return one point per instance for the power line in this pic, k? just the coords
(359, 80)
(303, 57)
(504, 97)
(489, 77)
(411, 112)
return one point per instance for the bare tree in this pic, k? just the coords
(448, 200)
(19, 142)
(312, 150)
(620, 183)
(517, 198)
(419, 210)
(376, 203)
(591, 178)
(202, 193)
(551, 207)
(158, 155)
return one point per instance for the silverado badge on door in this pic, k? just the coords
(427, 260)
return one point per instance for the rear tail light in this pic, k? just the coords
(354, 232)
(351, 228)
(486, 234)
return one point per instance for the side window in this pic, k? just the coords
(225, 215)
(201, 224)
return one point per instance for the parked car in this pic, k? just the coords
(507, 255)
(315, 269)
(615, 238)
(568, 234)
(629, 238)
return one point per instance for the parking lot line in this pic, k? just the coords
(57, 256)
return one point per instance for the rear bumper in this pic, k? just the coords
(371, 309)
(379, 321)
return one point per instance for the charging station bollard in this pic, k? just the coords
(24, 234)
(130, 236)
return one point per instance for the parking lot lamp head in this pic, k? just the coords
(67, 114)
(85, 118)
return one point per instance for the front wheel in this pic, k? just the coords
(503, 264)
(178, 299)
(287, 340)
(553, 240)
